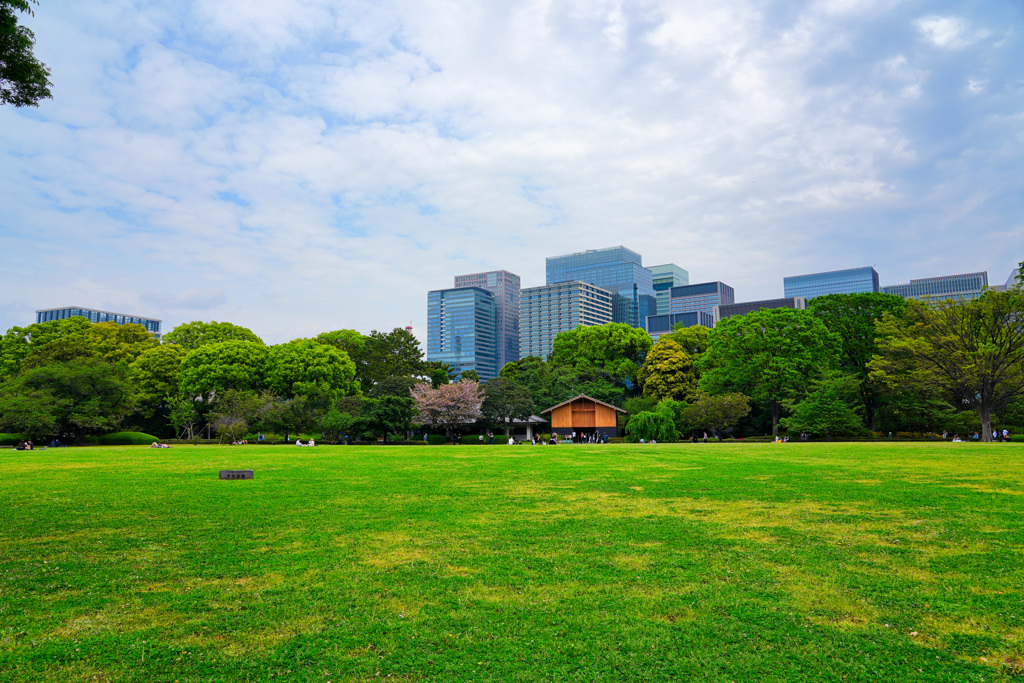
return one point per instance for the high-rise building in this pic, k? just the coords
(1015, 276)
(850, 281)
(728, 310)
(505, 288)
(559, 307)
(665, 277)
(658, 325)
(703, 297)
(616, 269)
(461, 331)
(964, 286)
(96, 316)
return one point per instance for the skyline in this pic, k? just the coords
(307, 166)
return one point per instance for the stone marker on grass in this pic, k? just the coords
(236, 474)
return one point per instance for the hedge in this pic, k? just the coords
(10, 439)
(127, 439)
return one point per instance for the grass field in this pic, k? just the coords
(763, 562)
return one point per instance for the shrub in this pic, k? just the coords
(436, 439)
(10, 439)
(126, 439)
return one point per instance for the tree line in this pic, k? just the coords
(851, 364)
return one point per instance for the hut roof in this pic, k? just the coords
(576, 398)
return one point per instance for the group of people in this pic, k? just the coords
(25, 446)
(974, 436)
(298, 442)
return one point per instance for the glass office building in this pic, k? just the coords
(850, 281)
(546, 311)
(965, 286)
(665, 277)
(658, 325)
(97, 316)
(616, 269)
(703, 297)
(504, 286)
(729, 310)
(461, 330)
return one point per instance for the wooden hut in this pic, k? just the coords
(584, 415)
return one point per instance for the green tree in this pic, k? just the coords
(693, 339)
(336, 424)
(195, 334)
(387, 414)
(852, 318)
(237, 412)
(972, 350)
(548, 384)
(615, 348)
(715, 413)
(215, 368)
(668, 371)
(394, 386)
(79, 397)
(770, 355)
(504, 401)
(657, 425)
(826, 409)
(393, 354)
(305, 367)
(24, 80)
(19, 342)
(153, 377)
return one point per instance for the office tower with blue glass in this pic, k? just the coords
(461, 330)
(616, 269)
(849, 281)
(965, 286)
(504, 286)
(560, 307)
(664, 278)
(703, 297)
(152, 325)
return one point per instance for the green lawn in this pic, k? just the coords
(760, 562)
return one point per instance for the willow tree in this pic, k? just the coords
(972, 350)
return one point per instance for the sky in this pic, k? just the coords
(297, 166)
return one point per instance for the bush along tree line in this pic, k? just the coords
(850, 365)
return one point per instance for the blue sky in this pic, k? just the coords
(298, 166)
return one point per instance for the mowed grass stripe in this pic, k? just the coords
(668, 562)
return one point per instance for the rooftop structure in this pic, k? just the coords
(964, 286)
(94, 315)
(850, 281)
(729, 310)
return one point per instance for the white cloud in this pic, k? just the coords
(949, 33)
(307, 165)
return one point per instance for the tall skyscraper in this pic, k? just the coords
(505, 288)
(461, 330)
(965, 286)
(850, 281)
(665, 277)
(546, 311)
(704, 297)
(616, 269)
(96, 316)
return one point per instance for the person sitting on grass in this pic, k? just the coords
(298, 442)
(311, 443)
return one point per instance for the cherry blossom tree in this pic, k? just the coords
(449, 406)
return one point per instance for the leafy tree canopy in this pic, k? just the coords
(215, 368)
(827, 408)
(668, 371)
(505, 401)
(693, 339)
(770, 355)
(195, 334)
(972, 350)
(449, 406)
(24, 80)
(78, 397)
(18, 342)
(387, 414)
(154, 377)
(306, 367)
(615, 348)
